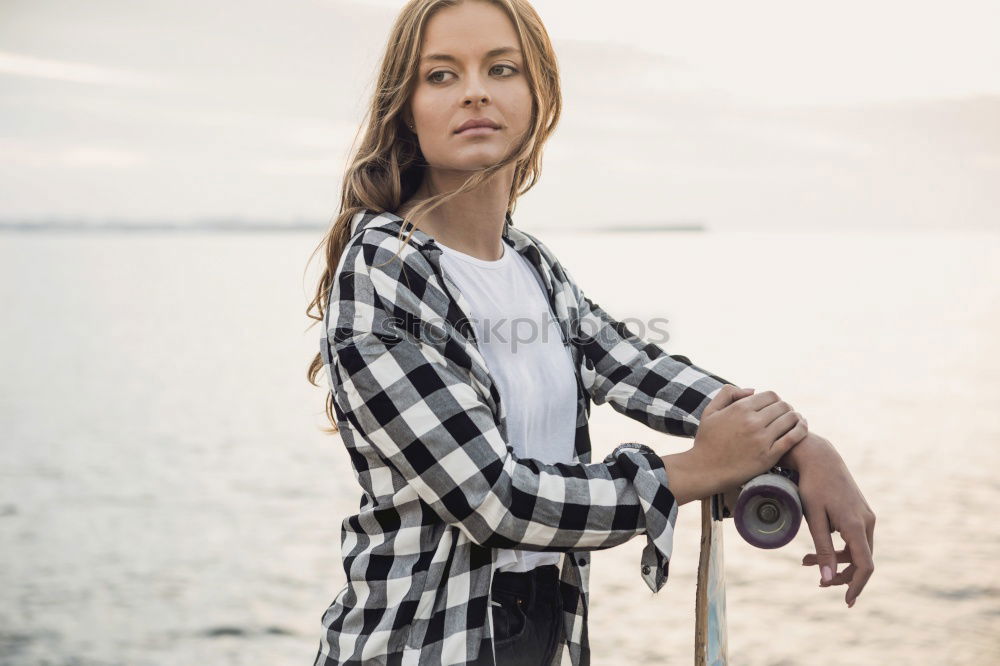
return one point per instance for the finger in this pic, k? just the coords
(725, 397)
(870, 532)
(788, 441)
(785, 432)
(769, 413)
(819, 527)
(842, 556)
(761, 400)
(857, 542)
(845, 576)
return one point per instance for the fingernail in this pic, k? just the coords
(850, 604)
(827, 574)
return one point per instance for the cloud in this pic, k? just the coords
(772, 134)
(318, 166)
(16, 64)
(29, 154)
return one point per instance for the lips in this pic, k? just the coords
(477, 122)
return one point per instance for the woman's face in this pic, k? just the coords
(470, 68)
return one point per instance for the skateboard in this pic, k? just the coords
(767, 512)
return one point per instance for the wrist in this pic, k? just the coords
(811, 447)
(687, 478)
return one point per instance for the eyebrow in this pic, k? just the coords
(489, 54)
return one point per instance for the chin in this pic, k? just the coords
(472, 160)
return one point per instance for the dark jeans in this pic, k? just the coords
(527, 623)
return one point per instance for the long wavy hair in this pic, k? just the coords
(387, 167)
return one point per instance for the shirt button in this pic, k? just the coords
(582, 561)
(645, 570)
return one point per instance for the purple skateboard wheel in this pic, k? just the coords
(768, 511)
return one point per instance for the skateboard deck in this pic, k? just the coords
(710, 636)
(767, 511)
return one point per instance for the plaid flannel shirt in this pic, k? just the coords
(425, 428)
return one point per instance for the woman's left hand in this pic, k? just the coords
(832, 502)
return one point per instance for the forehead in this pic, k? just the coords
(448, 57)
(470, 29)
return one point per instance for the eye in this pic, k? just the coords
(513, 70)
(430, 77)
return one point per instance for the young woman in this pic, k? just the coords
(480, 501)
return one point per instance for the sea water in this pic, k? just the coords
(167, 495)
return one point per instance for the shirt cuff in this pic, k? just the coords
(658, 506)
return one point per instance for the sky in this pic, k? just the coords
(791, 115)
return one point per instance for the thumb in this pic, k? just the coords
(726, 396)
(826, 558)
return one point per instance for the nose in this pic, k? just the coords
(476, 93)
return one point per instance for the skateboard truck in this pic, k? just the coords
(767, 509)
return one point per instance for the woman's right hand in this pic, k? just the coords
(743, 434)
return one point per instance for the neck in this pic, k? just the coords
(473, 221)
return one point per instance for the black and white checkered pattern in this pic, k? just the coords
(426, 432)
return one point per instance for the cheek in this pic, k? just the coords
(427, 105)
(524, 102)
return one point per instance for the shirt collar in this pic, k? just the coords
(518, 240)
(386, 220)
(515, 238)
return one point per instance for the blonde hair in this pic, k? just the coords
(388, 167)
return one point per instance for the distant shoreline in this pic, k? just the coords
(689, 226)
(86, 227)
(229, 226)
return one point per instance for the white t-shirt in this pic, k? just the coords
(520, 340)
